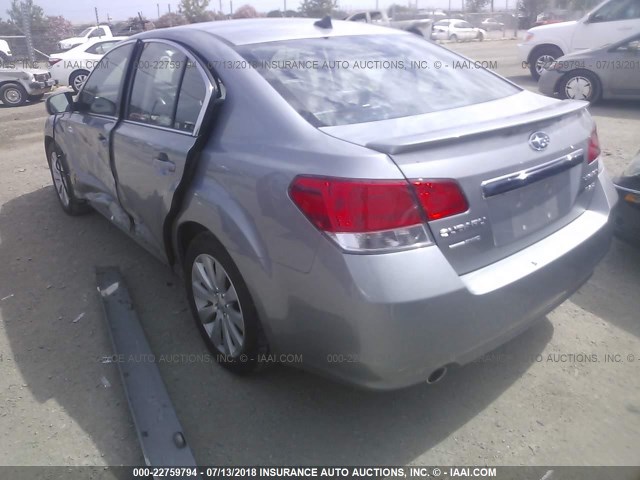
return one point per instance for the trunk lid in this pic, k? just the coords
(516, 194)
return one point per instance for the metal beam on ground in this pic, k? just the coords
(159, 430)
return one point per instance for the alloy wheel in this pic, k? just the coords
(217, 305)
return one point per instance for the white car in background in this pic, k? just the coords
(5, 51)
(608, 23)
(456, 30)
(73, 66)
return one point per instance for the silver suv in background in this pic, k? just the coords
(19, 85)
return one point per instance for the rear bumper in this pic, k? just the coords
(388, 321)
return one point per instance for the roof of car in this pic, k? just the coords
(260, 30)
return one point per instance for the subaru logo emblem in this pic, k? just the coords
(539, 141)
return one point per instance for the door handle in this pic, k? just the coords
(161, 161)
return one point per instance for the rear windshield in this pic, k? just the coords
(356, 79)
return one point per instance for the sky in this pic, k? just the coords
(80, 11)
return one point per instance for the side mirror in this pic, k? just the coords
(59, 103)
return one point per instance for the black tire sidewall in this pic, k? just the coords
(14, 86)
(73, 76)
(75, 207)
(246, 360)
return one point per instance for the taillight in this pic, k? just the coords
(593, 151)
(361, 215)
(53, 61)
(374, 215)
(440, 198)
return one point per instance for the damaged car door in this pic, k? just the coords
(160, 124)
(87, 132)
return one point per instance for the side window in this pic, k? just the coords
(191, 100)
(155, 85)
(102, 90)
(617, 10)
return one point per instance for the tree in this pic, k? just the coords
(195, 10)
(34, 11)
(531, 8)
(475, 6)
(170, 19)
(56, 28)
(245, 11)
(317, 8)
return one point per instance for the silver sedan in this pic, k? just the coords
(332, 201)
(612, 71)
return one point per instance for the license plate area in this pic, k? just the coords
(523, 211)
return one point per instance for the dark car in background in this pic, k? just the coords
(627, 211)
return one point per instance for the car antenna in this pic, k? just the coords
(324, 23)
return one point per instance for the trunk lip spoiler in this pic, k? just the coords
(411, 143)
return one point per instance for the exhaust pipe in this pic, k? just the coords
(437, 375)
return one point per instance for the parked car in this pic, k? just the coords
(608, 72)
(456, 31)
(19, 85)
(608, 23)
(5, 52)
(420, 27)
(490, 24)
(99, 31)
(376, 225)
(73, 66)
(627, 211)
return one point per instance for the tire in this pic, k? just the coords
(580, 85)
(453, 38)
(4, 58)
(480, 37)
(540, 57)
(210, 272)
(415, 31)
(77, 79)
(13, 94)
(36, 98)
(62, 184)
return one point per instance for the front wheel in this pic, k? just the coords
(62, 184)
(480, 37)
(13, 94)
(221, 305)
(454, 38)
(541, 58)
(580, 85)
